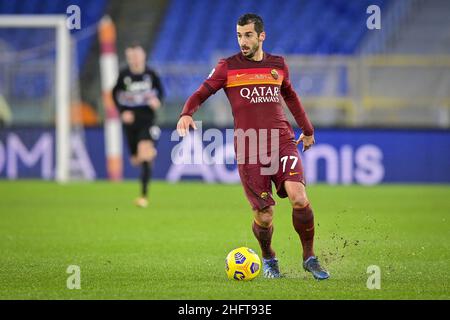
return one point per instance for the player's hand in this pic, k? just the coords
(127, 117)
(308, 141)
(183, 125)
(154, 103)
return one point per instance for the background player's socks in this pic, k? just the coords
(264, 237)
(303, 220)
(145, 177)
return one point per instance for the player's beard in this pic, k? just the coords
(251, 52)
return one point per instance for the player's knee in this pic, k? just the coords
(264, 220)
(152, 154)
(148, 156)
(299, 200)
(264, 217)
(146, 152)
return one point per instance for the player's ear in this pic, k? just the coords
(262, 36)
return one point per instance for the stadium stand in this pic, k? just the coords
(26, 38)
(321, 27)
(326, 42)
(295, 27)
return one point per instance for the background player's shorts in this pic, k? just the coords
(135, 134)
(258, 187)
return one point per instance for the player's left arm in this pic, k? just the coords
(158, 86)
(155, 101)
(295, 106)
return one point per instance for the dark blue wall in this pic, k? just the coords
(339, 157)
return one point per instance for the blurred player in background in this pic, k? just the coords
(138, 95)
(253, 81)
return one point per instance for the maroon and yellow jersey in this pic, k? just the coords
(255, 90)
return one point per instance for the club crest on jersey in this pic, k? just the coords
(274, 74)
(264, 195)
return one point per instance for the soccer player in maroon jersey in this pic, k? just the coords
(254, 82)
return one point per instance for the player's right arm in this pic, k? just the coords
(216, 80)
(127, 116)
(119, 86)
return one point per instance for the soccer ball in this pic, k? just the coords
(242, 264)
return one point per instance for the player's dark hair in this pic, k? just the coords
(252, 18)
(134, 44)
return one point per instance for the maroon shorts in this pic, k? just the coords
(258, 186)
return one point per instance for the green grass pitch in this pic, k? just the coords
(175, 249)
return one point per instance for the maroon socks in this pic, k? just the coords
(303, 221)
(264, 236)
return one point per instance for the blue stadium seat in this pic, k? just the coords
(324, 26)
(92, 12)
(21, 39)
(293, 27)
